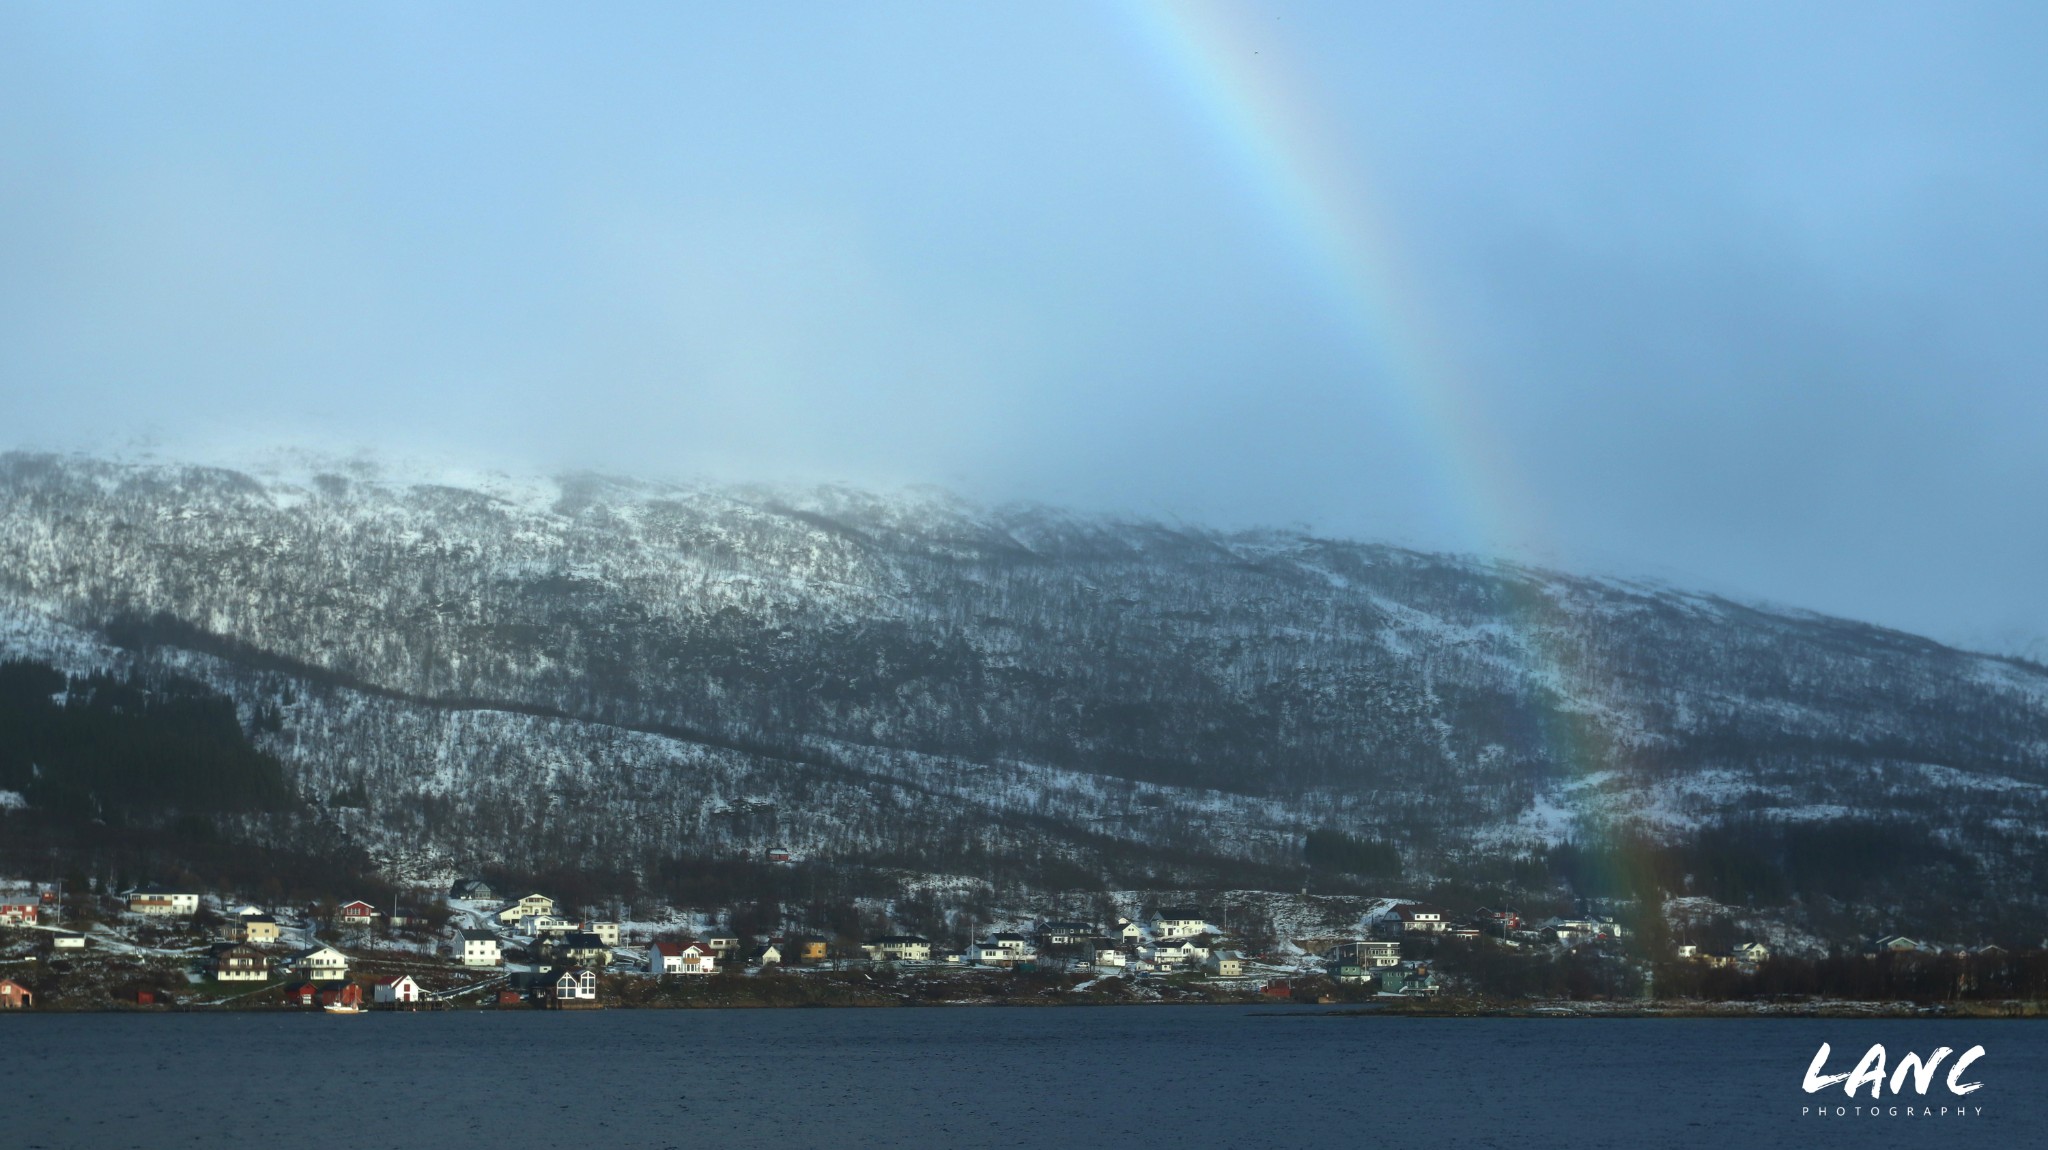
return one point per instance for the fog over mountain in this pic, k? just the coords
(597, 672)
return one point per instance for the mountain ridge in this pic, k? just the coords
(1023, 676)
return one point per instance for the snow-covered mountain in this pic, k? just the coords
(598, 672)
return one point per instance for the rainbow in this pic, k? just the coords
(1308, 172)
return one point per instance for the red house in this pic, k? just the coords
(19, 913)
(1278, 988)
(510, 997)
(347, 994)
(302, 994)
(358, 912)
(15, 996)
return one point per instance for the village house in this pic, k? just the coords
(687, 957)
(1341, 969)
(1177, 953)
(531, 906)
(725, 946)
(67, 940)
(158, 900)
(15, 996)
(472, 890)
(346, 994)
(1412, 982)
(320, 964)
(769, 955)
(1179, 922)
(1128, 931)
(571, 987)
(1224, 964)
(547, 926)
(19, 913)
(357, 913)
(255, 929)
(240, 962)
(302, 994)
(1897, 944)
(810, 949)
(1002, 950)
(608, 931)
(1498, 920)
(1056, 932)
(1113, 956)
(397, 990)
(1413, 918)
(1752, 952)
(481, 948)
(1368, 953)
(584, 949)
(1573, 931)
(899, 948)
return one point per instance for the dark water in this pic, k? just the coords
(1190, 1077)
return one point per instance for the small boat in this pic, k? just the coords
(342, 1008)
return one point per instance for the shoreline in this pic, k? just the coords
(1846, 1009)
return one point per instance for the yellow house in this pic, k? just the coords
(257, 929)
(809, 948)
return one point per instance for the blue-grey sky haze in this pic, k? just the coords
(1748, 296)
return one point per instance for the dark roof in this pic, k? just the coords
(584, 940)
(1185, 913)
(479, 936)
(899, 939)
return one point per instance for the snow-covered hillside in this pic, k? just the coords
(595, 671)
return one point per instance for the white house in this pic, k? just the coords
(321, 964)
(240, 963)
(398, 990)
(691, 957)
(481, 948)
(574, 985)
(1415, 918)
(163, 901)
(899, 948)
(608, 932)
(1128, 931)
(1111, 956)
(548, 926)
(1368, 953)
(1002, 950)
(1177, 953)
(1224, 964)
(1179, 922)
(533, 904)
(1752, 952)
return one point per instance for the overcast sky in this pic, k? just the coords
(1752, 297)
